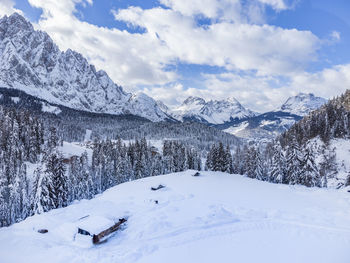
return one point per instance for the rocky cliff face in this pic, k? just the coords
(32, 62)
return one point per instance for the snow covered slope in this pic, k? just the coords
(212, 112)
(338, 152)
(215, 217)
(30, 61)
(302, 104)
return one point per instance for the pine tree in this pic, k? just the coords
(310, 175)
(259, 169)
(250, 162)
(209, 160)
(293, 163)
(328, 166)
(238, 159)
(219, 158)
(57, 180)
(228, 165)
(42, 201)
(278, 171)
(53, 140)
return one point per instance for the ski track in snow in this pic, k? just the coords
(215, 216)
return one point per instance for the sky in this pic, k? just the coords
(258, 51)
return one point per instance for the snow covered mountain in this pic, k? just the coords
(211, 112)
(32, 62)
(163, 107)
(244, 220)
(270, 124)
(302, 104)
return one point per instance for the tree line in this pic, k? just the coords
(35, 177)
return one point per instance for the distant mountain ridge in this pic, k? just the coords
(230, 116)
(32, 62)
(270, 124)
(302, 104)
(212, 111)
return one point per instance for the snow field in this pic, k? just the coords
(215, 217)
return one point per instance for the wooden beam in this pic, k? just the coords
(96, 239)
(157, 188)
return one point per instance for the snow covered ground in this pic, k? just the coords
(50, 108)
(158, 144)
(341, 148)
(215, 217)
(69, 149)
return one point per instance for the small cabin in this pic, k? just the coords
(70, 159)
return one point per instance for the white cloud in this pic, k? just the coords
(207, 8)
(326, 83)
(171, 36)
(260, 93)
(7, 8)
(254, 92)
(335, 36)
(130, 59)
(267, 49)
(276, 4)
(255, 55)
(229, 10)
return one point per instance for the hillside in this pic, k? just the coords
(244, 220)
(315, 150)
(329, 122)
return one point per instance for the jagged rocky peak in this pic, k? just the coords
(32, 62)
(193, 100)
(140, 102)
(229, 103)
(212, 111)
(302, 104)
(140, 96)
(233, 100)
(14, 24)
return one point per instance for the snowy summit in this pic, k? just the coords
(302, 104)
(212, 112)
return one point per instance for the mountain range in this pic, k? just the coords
(211, 112)
(268, 125)
(31, 62)
(229, 115)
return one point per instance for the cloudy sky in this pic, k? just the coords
(258, 51)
